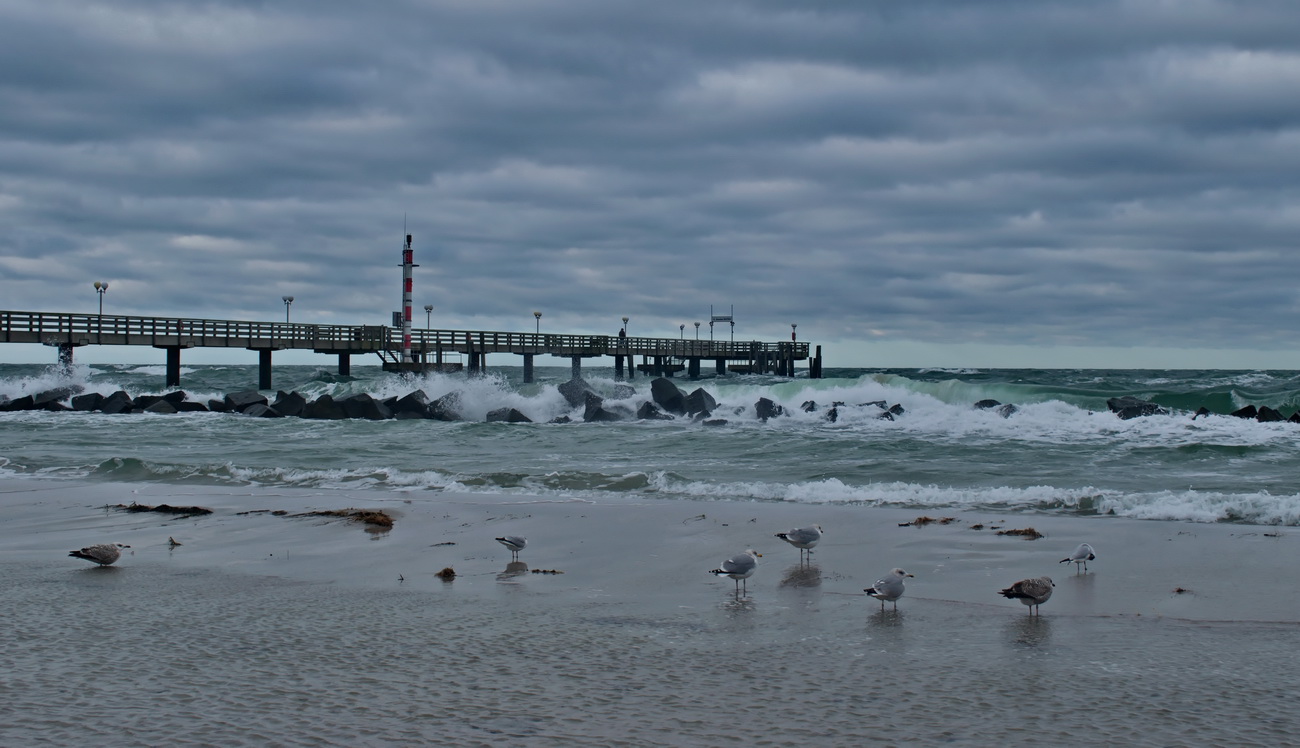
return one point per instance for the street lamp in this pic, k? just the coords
(100, 288)
(682, 328)
(697, 330)
(625, 324)
(428, 316)
(537, 317)
(287, 301)
(792, 335)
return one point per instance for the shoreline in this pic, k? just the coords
(662, 550)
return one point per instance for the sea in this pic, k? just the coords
(1058, 451)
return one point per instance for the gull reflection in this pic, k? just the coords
(802, 576)
(513, 569)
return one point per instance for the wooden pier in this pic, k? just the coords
(432, 350)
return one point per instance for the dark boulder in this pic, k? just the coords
(715, 422)
(1295, 417)
(415, 404)
(896, 410)
(189, 407)
(261, 410)
(766, 409)
(1201, 411)
(237, 401)
(325, 408)
(561, 419)
(1250, 411)
(666, 395)
(648, 412)
(623, 391)
(507, 415)
(575, 391)
(362, 405)
(594, 410)
(884, 415)
(987, 404)
(1006, 411)
(218, 406)
(1269, 415)
(1131, 407)
(445, 408)
(118, 402)
(88, 401)
(700, 401)
(142, 402)
(809, 406)
(179, 396)
(160, 406)
(833, 414)
(878, 403)
(20, 403)
(289, 403)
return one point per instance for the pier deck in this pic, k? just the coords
(431, 349)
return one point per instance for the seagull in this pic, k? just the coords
(1031, 592)
(803, 538)
(102, 554)
(514, 543)
(740, 567)
(1082, 555)
(889, 587)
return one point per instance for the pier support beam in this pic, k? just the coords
(618, 367)
(65, 355)
(173, 366)
(263, 368)
(720, 365)
(345, 364)
(576, 368)
(693, 368)
(528, 368)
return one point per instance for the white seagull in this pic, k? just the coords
(514, 543)
(889, 587)
(1032, 592)
(740, 567)
(1082, 555)
(803, 538)
(102, 554)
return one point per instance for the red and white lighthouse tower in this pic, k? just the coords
(408, 264)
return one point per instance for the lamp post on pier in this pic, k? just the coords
(537, 316)
(682, 328)
(287, 301)
(792, 335)
(625, 324)
(100, 288)
(428, 316)
(697, 330)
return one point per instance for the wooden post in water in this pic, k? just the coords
(263, 368)
(576, 368)
(618, 366)
(345, 364)
(693, 367)
(173, 366)
(528, 368)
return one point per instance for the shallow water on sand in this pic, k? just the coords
(151, 654)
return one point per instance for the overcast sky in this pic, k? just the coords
(913, 182)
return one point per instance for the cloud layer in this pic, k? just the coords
(1044, 174)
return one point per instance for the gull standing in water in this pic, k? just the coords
(740, 567)
(889, 587)
(1032, 592)
(1082, 555)
(103, 554)
(803, 538)
(514, 543)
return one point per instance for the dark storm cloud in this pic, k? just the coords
(1043, 173)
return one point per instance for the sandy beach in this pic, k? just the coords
(266, 628)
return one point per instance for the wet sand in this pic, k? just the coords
(311, 631)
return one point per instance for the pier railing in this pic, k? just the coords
(60, 329)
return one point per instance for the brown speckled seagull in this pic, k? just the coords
(1031, 592)
(103, 554)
